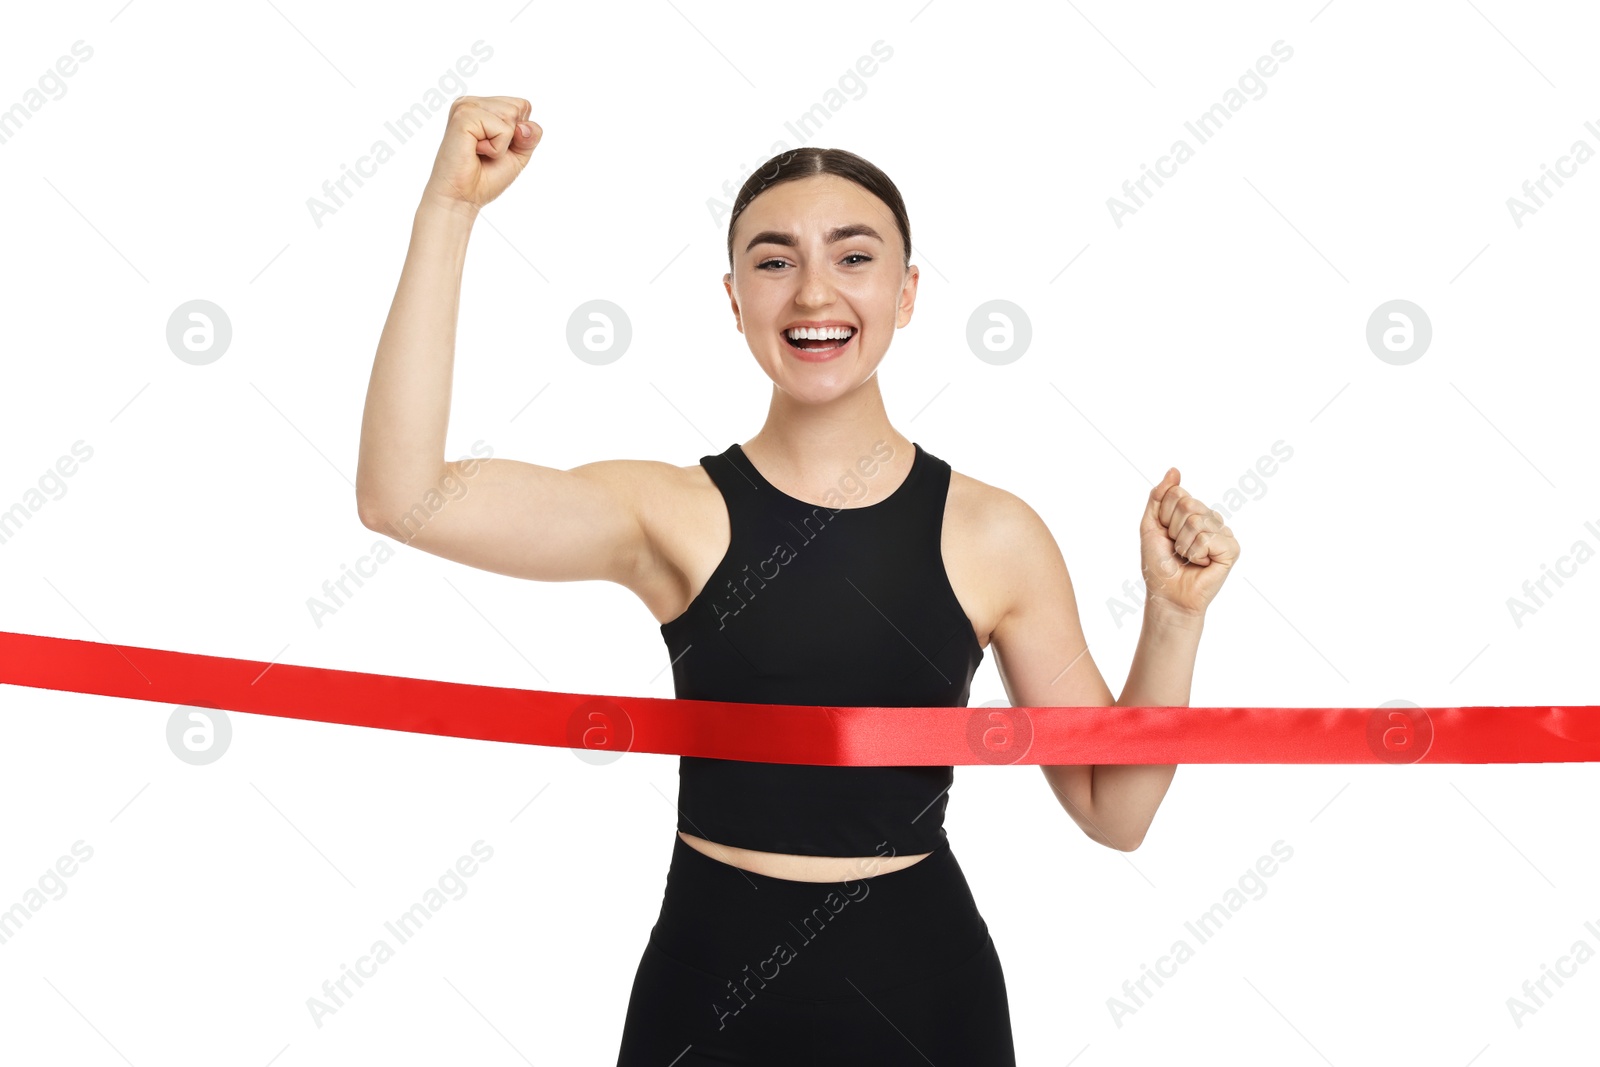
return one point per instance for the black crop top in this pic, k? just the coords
(842, 606)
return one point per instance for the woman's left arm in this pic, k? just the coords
(1186, 552)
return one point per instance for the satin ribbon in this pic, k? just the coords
(801, 733)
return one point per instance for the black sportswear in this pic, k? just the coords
(838, 605)
(895, 969)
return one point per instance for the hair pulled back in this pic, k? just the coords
(806, 162)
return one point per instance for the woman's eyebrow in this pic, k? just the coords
(838, 233)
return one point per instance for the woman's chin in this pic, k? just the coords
(818, 393)
(815, 383)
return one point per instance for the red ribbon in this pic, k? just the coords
(800, 733)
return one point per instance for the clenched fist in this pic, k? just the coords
(487, 142)
(1186, 551)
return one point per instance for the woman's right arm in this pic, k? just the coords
(502, 515)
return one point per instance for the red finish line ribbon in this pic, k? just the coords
(799, 733)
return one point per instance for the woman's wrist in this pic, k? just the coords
(1161, 612)
(444, 205)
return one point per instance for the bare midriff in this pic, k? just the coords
(801, 868)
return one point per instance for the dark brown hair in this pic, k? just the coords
(806, 162)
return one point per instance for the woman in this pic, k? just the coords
(811, 913)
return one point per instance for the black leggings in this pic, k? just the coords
(892, 968)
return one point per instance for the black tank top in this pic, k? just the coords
(815, 605)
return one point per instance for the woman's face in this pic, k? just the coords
(819, 250)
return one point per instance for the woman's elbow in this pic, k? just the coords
(1122, 841)
(1128, 844)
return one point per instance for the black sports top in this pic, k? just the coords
(816, 605)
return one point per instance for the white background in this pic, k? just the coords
(1227, 314)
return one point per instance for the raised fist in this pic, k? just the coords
(487, 142)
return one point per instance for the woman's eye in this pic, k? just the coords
(769, 264)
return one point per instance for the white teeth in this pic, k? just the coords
(824, 333)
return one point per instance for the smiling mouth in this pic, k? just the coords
(819, 345)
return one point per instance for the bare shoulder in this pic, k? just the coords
(644, 481)
(659, 491)
(990, 512)
(685, 524)
(994, 545)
